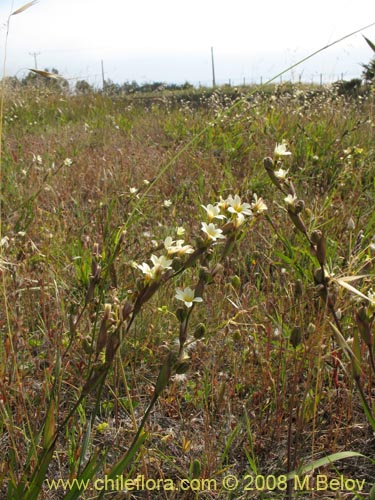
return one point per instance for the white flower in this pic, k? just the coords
(146, 270)
(258, 206)
(281, 150)
(371, 298)
(160, 264)
(4, 242)
(213, 212)
(37, 159)
(290, 199)
(177, 247)
(238, 220)
(180, 231)
(133, 190)
(237, 207)
(187, 296)
(281, 174)
(167, 203)
(212, 231)
(68, 162)
(224, 204)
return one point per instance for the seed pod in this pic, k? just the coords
(269, 166)
(298, 288)
(126, 310)
(103, 330)
(299, 206)
(297, 221)
(319, 277)
(296, 336)
(182, 367)
(113, 343)
(316, 236)
(200, 331)
(318, 239)
(164, 375)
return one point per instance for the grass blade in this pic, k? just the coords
(24, 7)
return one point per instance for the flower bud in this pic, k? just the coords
(351, 224)
(236, 281)
(311, 328)
(200, 331)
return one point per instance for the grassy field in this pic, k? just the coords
(106, 372)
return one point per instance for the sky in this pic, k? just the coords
(170, 40)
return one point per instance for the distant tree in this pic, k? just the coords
(152, 87)
(369, 71)
(130, 87)
(83, 87)
(111, 88)
(348, 87)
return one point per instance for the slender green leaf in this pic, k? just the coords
(329, 459)
(87, 475)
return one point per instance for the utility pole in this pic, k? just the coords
(35, 55)
(213, 67)
(103, 81)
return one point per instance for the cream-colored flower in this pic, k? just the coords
(238, 220)
(160, 264)
(224, 203)
(177, 247)
(281, 174)
(281, 150)
(212, 231)
(258, 206)
(290, 199)
(187, 296)
(167, 203)
(213, 212)
(237, 207)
